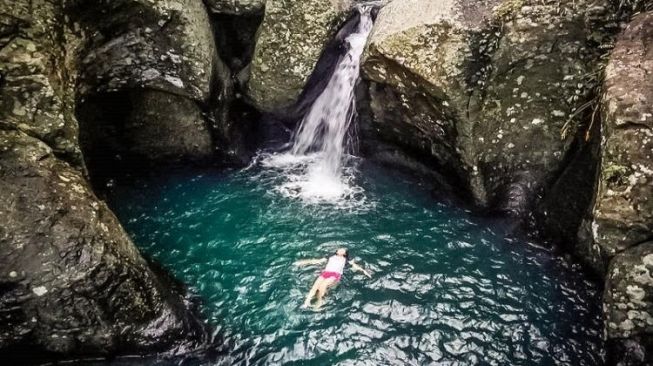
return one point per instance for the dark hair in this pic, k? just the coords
(346, 252)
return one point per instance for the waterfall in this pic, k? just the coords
(315, 166)
(324, 127)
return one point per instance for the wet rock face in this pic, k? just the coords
(628, 306)
(34, 98)
(566, 202)
(144, 126)
(417, 64)
(166, 45)
(236, 7)
(622, 215)
(166, 52)
(72, 282)
(537, 84)
(154, 126)
(290, 41)
(620, 226)
(236, 39)
(502, 78)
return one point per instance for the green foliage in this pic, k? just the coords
(508, 8)
(614, 173)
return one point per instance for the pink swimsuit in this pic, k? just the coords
(326, 275)
(334, 268)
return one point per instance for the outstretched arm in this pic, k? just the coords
(356, 267)
(308, 262)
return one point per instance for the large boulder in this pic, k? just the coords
(532, 102)
(618, 231)
(622, 215)
(73, 284)
(628, 306)
(485, 88)
(166, 45)
(236, 7)
(166, 51)
(35, 73)
(290, 41)
(58, 55)
(418, 60)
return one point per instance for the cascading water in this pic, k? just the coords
(316, 168)
(324, 127)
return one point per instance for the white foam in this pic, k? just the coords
(317, 169)
(305, 178)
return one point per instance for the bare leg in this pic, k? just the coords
(314, 289)
(322, 290)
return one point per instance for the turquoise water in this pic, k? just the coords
(447, 288)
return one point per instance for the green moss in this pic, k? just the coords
(614, 173)
(290, 41)
(507, 9)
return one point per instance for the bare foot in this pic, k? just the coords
(306, 305)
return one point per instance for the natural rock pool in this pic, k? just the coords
(447, 287)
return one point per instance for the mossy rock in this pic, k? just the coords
(506, 74)
(289, 43)
(622, 215)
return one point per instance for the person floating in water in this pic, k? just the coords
(330, 276)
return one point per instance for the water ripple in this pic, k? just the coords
(447, 288)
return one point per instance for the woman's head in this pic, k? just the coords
(342, 252)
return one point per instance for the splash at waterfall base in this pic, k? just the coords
(306, 179)
(318, 167)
